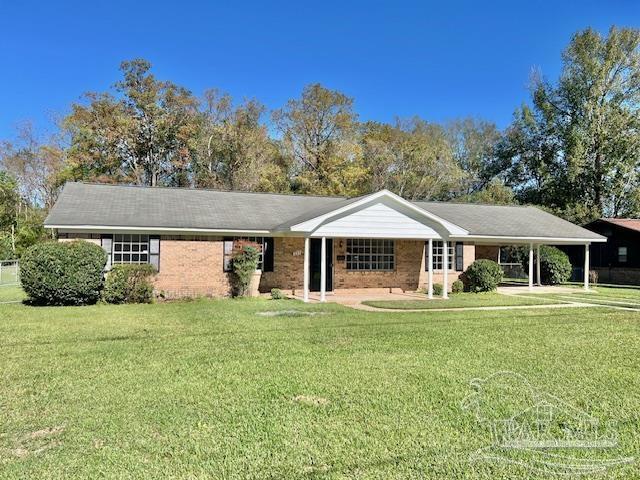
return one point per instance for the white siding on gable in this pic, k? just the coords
(376, 221)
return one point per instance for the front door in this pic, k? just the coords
(315, 256)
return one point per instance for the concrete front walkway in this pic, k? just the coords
(352, 299)
(355, 299)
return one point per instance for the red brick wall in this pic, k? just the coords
(192, 266)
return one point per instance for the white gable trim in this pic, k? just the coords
(311, 225)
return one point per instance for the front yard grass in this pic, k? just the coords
(599, 295)
(211, 389)
(463, 300)
(11, 293)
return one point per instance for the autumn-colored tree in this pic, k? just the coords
(414, 158)
(318, 136)
(34, 164)
(145, 134)
(235, 151)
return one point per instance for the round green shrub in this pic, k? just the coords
(457, 286)
(129, 284)
(437, 289)
(277, 294)
(63, 273)
(483, 275)
(555, 266)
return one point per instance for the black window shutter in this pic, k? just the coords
(154, 251)
(267, 263)
(427, 254)
(106, 242)
(459, 257)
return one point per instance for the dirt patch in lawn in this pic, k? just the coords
(290, 313)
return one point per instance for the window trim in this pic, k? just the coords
(622, 258)
(134, 239)
(378, 255)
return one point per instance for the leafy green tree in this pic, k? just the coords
(473, 142)
(577, 149)
(9, 201)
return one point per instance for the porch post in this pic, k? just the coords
(445, 269)
(538, 265)
(530, 266)
(305, 288)
(323, 269)
(586, 266)
(430, 270)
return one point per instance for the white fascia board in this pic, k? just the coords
(312, 224)
(182, 231)
(487, 239)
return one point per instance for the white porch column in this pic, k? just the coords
(323, 269)
(445, 269)
(305, 288)
(430, 270)
(538, 265)
(530, 266)
(586, 266)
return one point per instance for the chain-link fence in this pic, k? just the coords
(9, 272)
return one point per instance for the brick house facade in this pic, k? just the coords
(374, 241)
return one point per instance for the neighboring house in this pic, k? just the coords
(375, 241)
(618, 260)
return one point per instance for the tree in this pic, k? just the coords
(235, 151)
(473, 142)
(9, 201)
(317, 135)
(34, 164)
(413, 158)
(577, 149)
(146, 134)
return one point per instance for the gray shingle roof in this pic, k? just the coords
(82, 204)
(507, 220)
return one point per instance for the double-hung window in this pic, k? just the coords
(126, 248)
(370, 254)
(454, 256)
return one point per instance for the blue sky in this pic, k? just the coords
(439, 60)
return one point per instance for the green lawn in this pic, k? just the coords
(613, 296)
(462, 300)
(210, 389)
(11, 293)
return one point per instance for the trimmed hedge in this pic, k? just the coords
(437, 289)
(129, 284)
(63, 273)
(483, 275)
